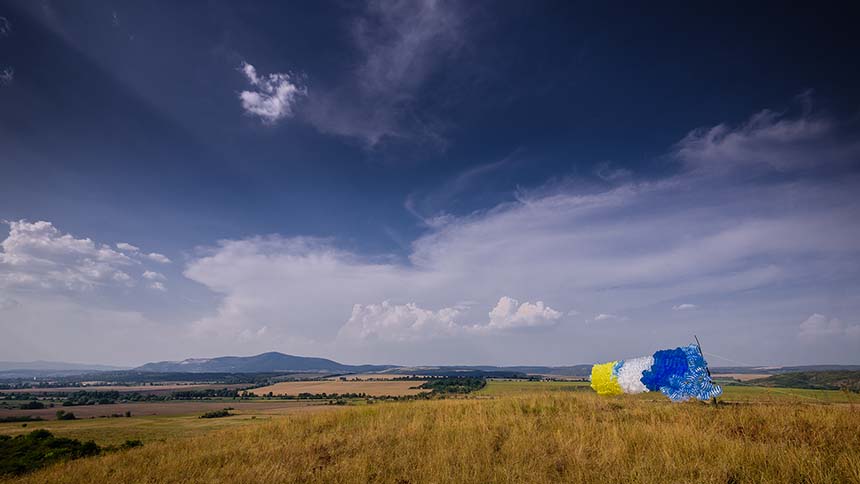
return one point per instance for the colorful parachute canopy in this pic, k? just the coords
(680, 374)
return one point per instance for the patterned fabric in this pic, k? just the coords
(680, 374)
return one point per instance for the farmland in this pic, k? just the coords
(144, 389)
(508, 432)
(152, 428)
(158, 408)
(395, 388)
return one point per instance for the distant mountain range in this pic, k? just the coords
(55, 365)
(33, 369)
(266, 362)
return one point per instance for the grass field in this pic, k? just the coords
(372, 388)
(731, 393)
(554, 436)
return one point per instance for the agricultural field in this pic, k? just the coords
(160, 421)
(144, 389)
(552, 433)
(173, 407)
(393, 388)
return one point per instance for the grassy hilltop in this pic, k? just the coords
(514, 436)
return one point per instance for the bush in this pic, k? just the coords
(63, 415)
(216, 414)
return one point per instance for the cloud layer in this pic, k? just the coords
(513, 283)
(626, 251)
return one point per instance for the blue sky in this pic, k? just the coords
(426, 182)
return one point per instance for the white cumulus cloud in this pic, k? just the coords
(272, 96)
(126, 247)
(37, 255)
(160, 258)
(153, 276)
(509, 314)
(819, 325)
(158, 286)
(393, 322)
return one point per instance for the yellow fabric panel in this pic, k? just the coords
(602, 380)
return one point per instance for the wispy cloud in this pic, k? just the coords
(7, 75)
(402, 43)
(684, 307)
(769, 140)
(609, 317)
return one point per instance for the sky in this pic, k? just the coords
(425, 182)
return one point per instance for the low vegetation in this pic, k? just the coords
(20, 418)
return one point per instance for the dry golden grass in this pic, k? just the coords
(538, 438)
(373, 388)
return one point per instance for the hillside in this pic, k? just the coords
(562, 437)
(818, 380)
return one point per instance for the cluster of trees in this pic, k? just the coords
(454, 384)
(203, 394)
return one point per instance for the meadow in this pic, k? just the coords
(507, 432)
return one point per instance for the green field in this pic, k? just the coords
(498, 388)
